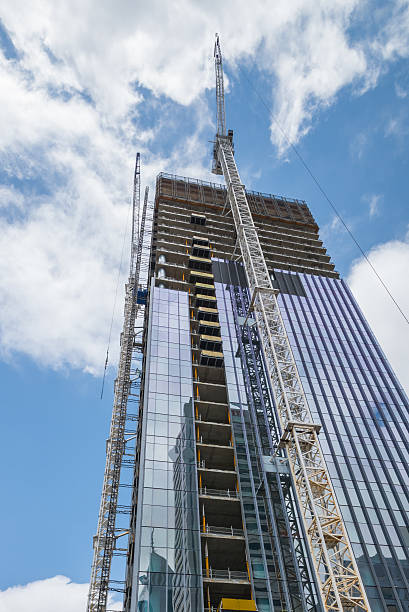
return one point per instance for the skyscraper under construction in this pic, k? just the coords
(266, 433)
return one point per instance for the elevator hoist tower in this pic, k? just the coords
(336, 570)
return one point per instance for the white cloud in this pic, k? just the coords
(334, 231)
(304, 46)
(397, 127)
(335, 223)
(49, 595)
(72, 120)
(392, 127)
(374, 205)
(10, 197)
(391, 260)
(358, 145)
(400, 91)
(313, 61)
(312, 58)
(59, 260)
(373, 200)
(392, 41)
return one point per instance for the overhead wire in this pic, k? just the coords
(325, 195)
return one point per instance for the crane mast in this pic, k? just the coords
(221, 111)
(107, 531)
(340, 583)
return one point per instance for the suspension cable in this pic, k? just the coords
(325, 194)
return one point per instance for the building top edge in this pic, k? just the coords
(221, 187)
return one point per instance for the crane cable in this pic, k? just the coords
(115, 297)
(324, 193)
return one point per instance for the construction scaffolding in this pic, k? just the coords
(120, 446)
(276, 487)
(184, 189)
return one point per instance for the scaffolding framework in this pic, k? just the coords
(340, 583)
(119, 452)
(259, 393)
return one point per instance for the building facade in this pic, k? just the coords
(215, 516)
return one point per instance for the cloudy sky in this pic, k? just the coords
(83, 86)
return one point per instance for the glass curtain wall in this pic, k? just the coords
(354, 394)
(167, 569)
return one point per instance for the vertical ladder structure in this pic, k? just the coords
(260, 402)
(128, 377)
(337, 573)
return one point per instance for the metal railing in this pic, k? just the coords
(202, 464)
(231, 493)
(230, 531)
(226, 574)
(222, 188)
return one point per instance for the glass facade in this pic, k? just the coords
(354, 394)
(167, 562)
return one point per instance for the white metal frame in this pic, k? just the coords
(338, 576)
(107, 533)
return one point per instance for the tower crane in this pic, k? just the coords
(108, 533)
(341, 586)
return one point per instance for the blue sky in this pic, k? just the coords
(82, 88)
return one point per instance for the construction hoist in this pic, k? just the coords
(117, 453)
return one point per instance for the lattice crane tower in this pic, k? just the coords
(108, 533)
(340, 584)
